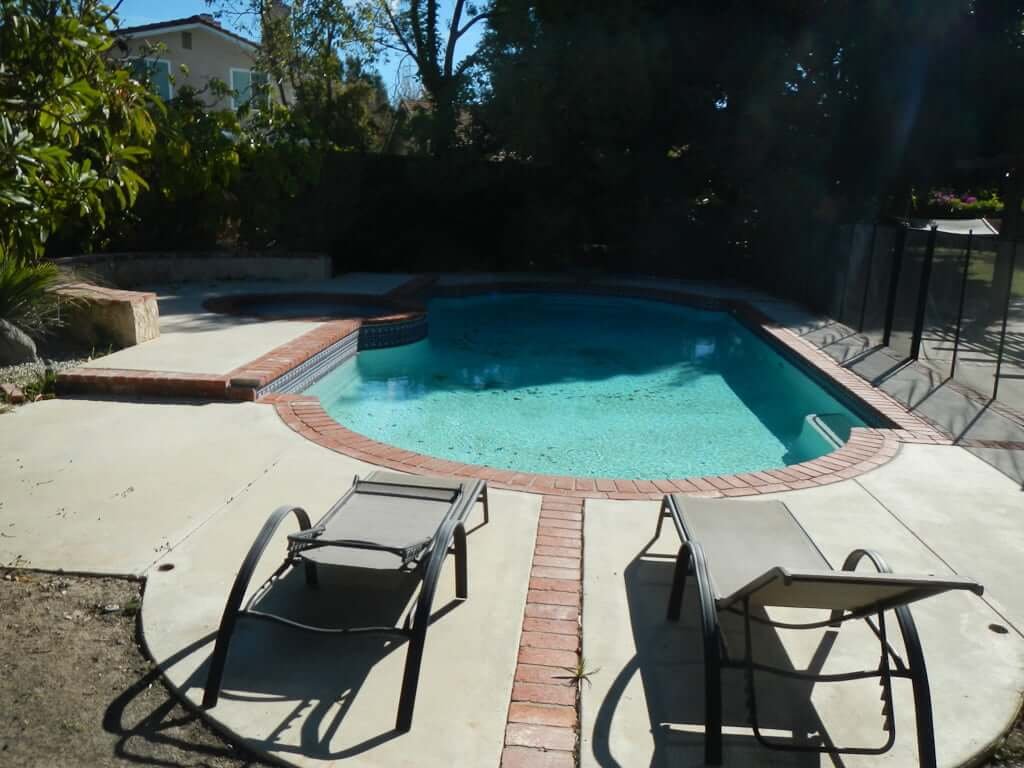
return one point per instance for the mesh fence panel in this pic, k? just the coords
(969, 281)
(859, 251)
(908, 287)
(878, 274)
(943, 303)
(838, 255)
(982, 318)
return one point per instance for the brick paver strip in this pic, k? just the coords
(527, 757)
(544, 712)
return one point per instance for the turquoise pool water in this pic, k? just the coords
(585, 386)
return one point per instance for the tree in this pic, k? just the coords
(73, 125)
(314, 53)
(415, 28)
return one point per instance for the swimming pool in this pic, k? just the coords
(590, 387)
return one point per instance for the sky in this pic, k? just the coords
(135, 12)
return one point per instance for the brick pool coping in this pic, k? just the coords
(867, 448)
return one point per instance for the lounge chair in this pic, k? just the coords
(386, 522)
(748, 555)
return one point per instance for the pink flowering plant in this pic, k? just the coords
(983, 203)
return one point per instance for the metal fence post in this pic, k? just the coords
(963, 296)
(867, 278)
(894, 282)
(922, 294)
(1006, 317)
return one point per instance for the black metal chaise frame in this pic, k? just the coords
(425, 561)
(692, 560)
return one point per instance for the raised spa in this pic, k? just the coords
(588, 387)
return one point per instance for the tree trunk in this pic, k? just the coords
(442, 132)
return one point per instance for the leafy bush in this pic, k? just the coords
(26, 293)
(73, 124)
(191, 174)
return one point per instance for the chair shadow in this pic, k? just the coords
(319, 676)
(160, 726)
(669, 660)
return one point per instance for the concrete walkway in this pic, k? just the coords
(932, 510)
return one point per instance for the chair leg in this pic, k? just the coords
(712, 669)
(712, 708)
(411, 678)
(675, 598)
(487, 507)
(925, 722)
(461, 569)
(231, 611)
(662, 514)
(421, 617)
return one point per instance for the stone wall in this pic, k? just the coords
(127, 270)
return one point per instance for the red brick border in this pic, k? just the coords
(118, 381)
(543, 715)
(865, 450)
(264, 369)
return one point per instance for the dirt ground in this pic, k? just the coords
(76, 689)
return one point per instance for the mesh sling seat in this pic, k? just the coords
(749, 555)
(386, 522)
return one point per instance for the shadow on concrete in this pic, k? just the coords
(164, 726)
(669, 661)
(319, 676)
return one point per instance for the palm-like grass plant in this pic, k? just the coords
(27, 297)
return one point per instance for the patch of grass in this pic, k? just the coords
(42, 386)
(579, 673)
(1011, 751)
(131, 607)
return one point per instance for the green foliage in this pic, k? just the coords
(279, 163)
(429, 32)
(191, 175)
(42, 387)
(984, 203)
(26, 293)
(73, 125)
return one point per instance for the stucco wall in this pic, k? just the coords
(212, 56)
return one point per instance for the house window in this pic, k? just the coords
(157, 73)
(249, 88)
(186, 40)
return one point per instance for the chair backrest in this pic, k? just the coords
(843, 590)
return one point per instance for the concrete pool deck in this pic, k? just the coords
(194, 340)
(107, 486)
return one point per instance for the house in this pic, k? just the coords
(207, 51)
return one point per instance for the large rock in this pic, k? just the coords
(15, 345)
(98, 315)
